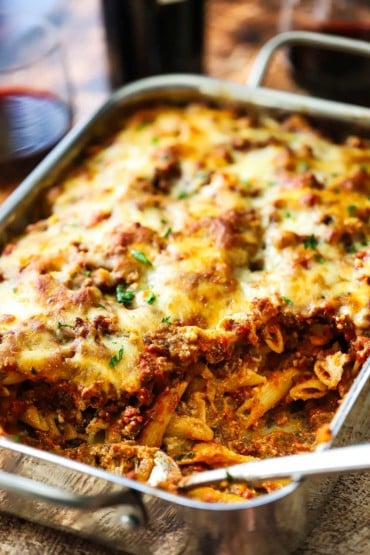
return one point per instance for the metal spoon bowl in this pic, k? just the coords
(344, 459)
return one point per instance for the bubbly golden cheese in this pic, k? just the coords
(191, 233)
(220, 210)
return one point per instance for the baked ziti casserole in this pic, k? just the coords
(199, 287)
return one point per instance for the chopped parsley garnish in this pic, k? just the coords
(287, 300)
(141, 257)
(352, 209)
(287, 214)
(15, 290)
(183, 456)
(246, 182)
(167, 232)
(14, 437)
(142, 125)
(166, 320)
(102, 306)
(182, 195)
(319, 259)
(151, 298)
(311, 242)
(124, 296)
(61, 325)
(87, 272)
(155, 140)
(229, 478)
(351, 249)
(302, 167)
(116, 358)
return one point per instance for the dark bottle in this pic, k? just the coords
(150, 37)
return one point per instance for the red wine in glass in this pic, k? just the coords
(32, 122)
(330, 73)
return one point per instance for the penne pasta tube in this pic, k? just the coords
(33, 418)
(188, 427)
(312, 388)
(161, 414)
(273, 337)
(330, 369)
(268, 395)
(212, 454)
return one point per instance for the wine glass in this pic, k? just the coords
(324, 72)
(35, 95)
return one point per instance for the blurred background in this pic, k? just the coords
(233, 32)
(113, 41)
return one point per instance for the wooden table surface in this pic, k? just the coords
(235, 30)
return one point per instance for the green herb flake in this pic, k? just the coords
(302, 167)
(102, 306)
(151, 298)
(319, 259)
(61, 325)
(166, 320)
(287, 300)
(229, 478)
(87, 272)
(352, 210)
(14, 437)
(351, 249)
(246, 182)
(124, 296)
(182, 195)
(142, 125)
(155, 140)
(287, 214)
(116, 358)
(185, 456)
(141, 257)
(167, 232)
(311, 242)
(15, 290)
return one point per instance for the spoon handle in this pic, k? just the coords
(344, 459)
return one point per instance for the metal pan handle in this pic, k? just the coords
(263, 58)
(131, 511)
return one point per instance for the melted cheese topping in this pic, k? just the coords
(192, 213)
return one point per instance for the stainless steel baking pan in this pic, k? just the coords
(127, 515)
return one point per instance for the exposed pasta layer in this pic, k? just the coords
(200, 286)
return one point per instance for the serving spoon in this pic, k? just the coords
(338, 460)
